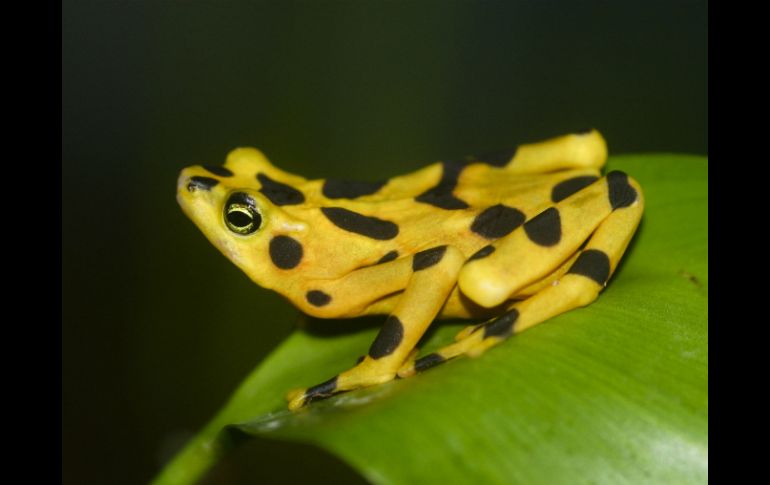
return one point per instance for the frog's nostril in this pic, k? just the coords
(198, 182)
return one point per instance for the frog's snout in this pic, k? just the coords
(181, 181)
(194, 191)
(182, 191)
(192, 183)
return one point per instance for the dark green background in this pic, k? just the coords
(158, 328)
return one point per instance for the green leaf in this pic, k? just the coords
(611, 393)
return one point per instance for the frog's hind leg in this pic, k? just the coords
(434, 275)
(580, 286)
(535, 249)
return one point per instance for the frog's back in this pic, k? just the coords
(466, 202)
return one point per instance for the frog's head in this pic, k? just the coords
(238, 208)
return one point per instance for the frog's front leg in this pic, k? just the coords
(434, 275)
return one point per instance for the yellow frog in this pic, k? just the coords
(517, 237)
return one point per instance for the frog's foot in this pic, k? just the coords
(472, 341)
(303, 396)
(365, 374)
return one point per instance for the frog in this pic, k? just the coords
(506, 239)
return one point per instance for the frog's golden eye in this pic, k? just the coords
(241, 214)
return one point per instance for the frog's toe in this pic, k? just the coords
(296, 399)
(411, 367)
(300, 397)
(407, 367)
(472, 341)
(462, 334)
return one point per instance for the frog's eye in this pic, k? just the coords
(241, 214)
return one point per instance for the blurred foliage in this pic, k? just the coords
(157, 328)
